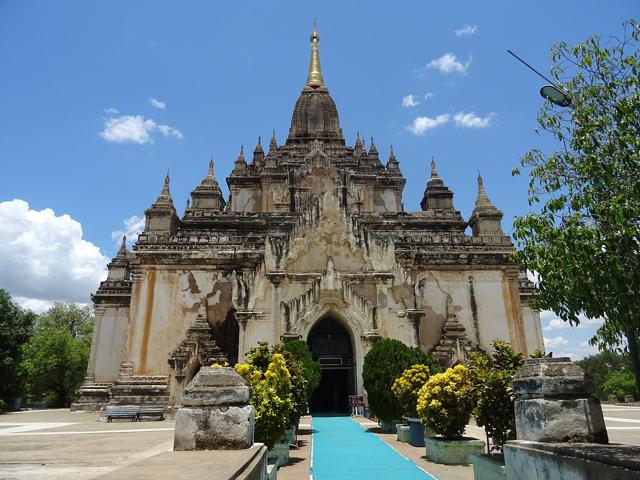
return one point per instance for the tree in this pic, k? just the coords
(493, 397)
(15, 329)
(55, 358)
(601, 367)
(584, 243)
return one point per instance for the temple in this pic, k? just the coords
(313, 243)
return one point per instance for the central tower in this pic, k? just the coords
(315, 116)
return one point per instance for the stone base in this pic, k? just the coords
(527, 460)
(214, 428)
(140, 389)
(560, 420)
(92, 396)
(486, 468)
(452, 452)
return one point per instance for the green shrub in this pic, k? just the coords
(385, 362)
(493, 397)
(445, 402)
(310, 367)
(406, 388)
(620, 384)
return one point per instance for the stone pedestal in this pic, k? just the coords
(216, 414)
(554, 403)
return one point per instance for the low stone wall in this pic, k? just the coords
(526, 460)
(245, 464)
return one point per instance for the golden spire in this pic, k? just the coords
(314, 78)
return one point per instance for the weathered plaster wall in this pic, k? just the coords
(109, 337)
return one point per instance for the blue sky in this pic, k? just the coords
(99, 99)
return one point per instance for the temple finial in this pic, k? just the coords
(123, 246)
(273, 144)
(372, 148)
(434, 171)
(314, 77)
(392, 155)
(482, 200)
(165, 189)
(210, 173)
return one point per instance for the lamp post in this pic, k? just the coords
(552, 92)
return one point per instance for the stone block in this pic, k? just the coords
(217, 386)
(551, 377)
(612, 398)
(554, 403)
(214, 428)
(216, 415)
(560, 420)
(629, 398)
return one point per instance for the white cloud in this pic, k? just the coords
(421, 125)
(555, 342)
(111, 111)
(132, 227)
(135, 129)
(157, 103)
(43, 257)
(471, 120)
(555, 323)
(428, 95)
(170, 131)
(466, 30)
(410, 101)
(448, 63)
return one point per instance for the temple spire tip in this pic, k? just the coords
(314, 77)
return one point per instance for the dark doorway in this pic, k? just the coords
(330, 345)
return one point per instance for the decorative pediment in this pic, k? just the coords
(199, 345)
(454, 345)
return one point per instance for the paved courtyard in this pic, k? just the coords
(58, 444)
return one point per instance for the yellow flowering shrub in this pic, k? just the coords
(406, 388)
(270, 397)
(445, 402)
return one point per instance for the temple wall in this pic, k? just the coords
(110, 334)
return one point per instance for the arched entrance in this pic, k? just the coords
(330, 344)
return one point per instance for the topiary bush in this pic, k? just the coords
(406, 388)
(445, 402)
(385, 362)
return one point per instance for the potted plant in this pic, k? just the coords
(491, 377)
(270, 383)
(385, 362)
(406, 388)
(444, 404)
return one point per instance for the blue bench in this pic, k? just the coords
(130, 412)
(151, 411)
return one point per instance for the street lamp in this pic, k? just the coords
(553, 92)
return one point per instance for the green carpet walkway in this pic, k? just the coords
(343, 449)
